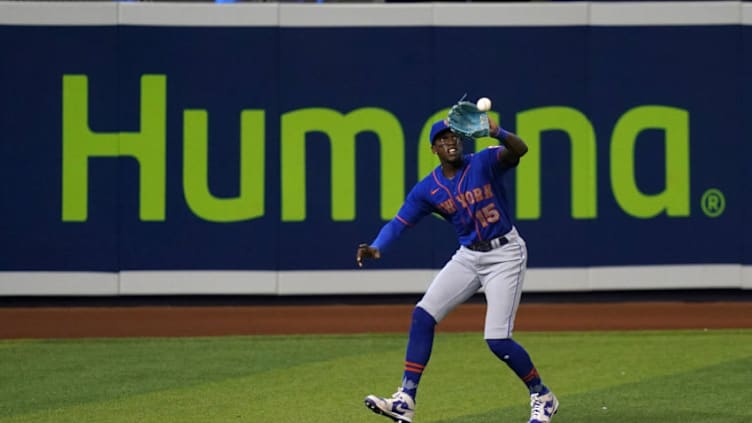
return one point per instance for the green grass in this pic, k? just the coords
(676, 376)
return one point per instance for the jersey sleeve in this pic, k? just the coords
(491, 157)
(413, 209)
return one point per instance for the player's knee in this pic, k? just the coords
(422, 318)
(502, 348)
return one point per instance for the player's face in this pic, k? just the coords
(448, 146)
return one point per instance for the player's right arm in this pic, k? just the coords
(387, 235)
(366, 251)
(409, 214)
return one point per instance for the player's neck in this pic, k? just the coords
(450, 169)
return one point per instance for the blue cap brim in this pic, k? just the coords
(437, 128)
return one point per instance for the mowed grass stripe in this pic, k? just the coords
(706, 395)
(302, 393)
(54, 374)
(323, 379)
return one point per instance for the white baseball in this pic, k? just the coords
(484, 104)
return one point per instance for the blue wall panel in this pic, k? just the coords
(409, 72)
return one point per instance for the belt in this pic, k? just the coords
(484, 246)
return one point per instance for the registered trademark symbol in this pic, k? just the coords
(713, 202)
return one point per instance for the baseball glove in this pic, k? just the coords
(465, 119)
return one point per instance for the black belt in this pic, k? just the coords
(484, 246)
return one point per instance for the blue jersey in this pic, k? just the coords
(474, 201)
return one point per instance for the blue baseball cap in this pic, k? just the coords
(437, 128)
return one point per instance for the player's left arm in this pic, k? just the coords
(515, 146)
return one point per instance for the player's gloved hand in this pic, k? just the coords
(465, 119)
(366, 251)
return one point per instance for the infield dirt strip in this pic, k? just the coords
(81, 322)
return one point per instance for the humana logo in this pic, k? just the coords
(148, 148)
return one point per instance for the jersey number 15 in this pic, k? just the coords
(488, 214)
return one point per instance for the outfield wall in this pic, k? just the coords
(152, 148)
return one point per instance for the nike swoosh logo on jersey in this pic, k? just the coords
(435, 190)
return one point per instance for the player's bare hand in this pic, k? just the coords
(492, 125)
(366, 251)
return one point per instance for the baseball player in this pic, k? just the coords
(467, 191)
